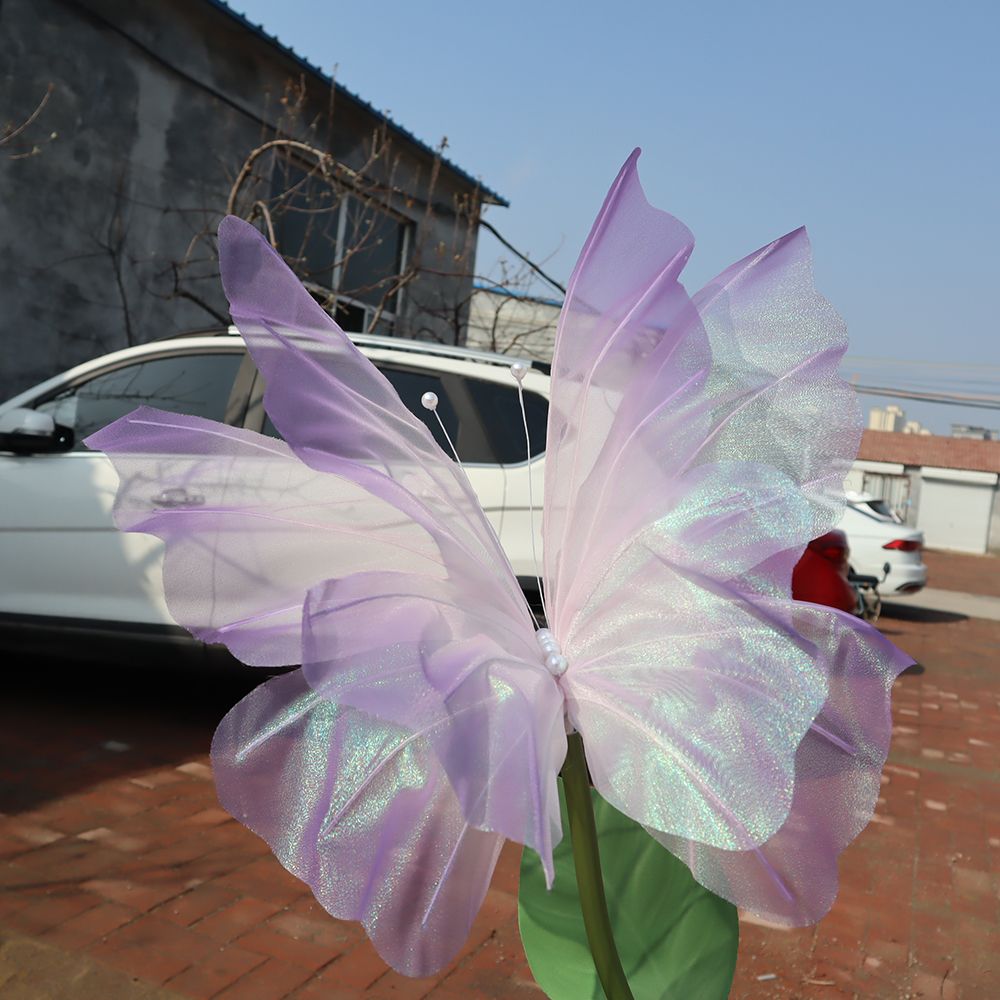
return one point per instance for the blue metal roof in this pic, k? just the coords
(483, 286)
(258, 29)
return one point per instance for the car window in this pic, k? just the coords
(411, 386)
(500, 413)
(881, 507)
(483, 419)
(195, 384)
(862, 513)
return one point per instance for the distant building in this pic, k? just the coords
(510, 323)
(945, 486)
(889, 419)
(914, 427)
(974, 433)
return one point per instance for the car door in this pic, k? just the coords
(61, 555)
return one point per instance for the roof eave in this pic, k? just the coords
(488, 195)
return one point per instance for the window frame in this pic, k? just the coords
(407, 225)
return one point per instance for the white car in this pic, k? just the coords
(65, 568)
(63, 564)
(878, 539)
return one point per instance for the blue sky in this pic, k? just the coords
(874, 124)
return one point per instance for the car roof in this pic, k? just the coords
(403, 344)
(448, 358)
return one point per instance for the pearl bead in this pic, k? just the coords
(556, 664)
(519, 369)
(429, 401)
(552, 655)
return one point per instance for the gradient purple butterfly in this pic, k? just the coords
(695, 445)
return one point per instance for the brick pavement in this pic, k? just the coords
(114, 853)
(957, 571)
(918, 913)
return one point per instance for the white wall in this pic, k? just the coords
(511, 325)
(955, 509)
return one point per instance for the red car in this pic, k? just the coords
(820, 576)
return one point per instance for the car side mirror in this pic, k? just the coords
(29, 432)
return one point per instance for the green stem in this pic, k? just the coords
(587, 859)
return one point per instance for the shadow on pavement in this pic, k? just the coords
(914, 613)
(67, 726)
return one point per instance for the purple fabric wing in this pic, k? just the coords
(627, 329)
(792, 879)
(696, 446)
(337, 412)
(649, 386)
(339, 415)
(678, 677)
(438, 658)
(359, 550)
(248, 528)
(360, 810)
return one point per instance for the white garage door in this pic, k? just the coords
(955, 511)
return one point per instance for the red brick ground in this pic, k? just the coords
(918, 913)
(112, 846)
(955, 571)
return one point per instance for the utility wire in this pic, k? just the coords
(527, 260)
(975, 400)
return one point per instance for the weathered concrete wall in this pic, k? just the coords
(508, 324)
(154, 108)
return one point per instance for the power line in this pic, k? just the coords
(975, 400)
(898, 363)
(527, 260)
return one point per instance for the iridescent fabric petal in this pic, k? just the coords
(744, 372)
(792, 879)
(696, 446)
(627, 333)
(704, 692)
(360, 810)
(422, 654)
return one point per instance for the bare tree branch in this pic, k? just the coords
(12, 133)
(375, 249)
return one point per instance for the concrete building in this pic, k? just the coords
(126, 170)
(945, 486)
(891, 418)
(509, 323)
(974, 433)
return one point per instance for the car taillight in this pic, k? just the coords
(903, 545)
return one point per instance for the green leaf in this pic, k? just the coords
(676, 940)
